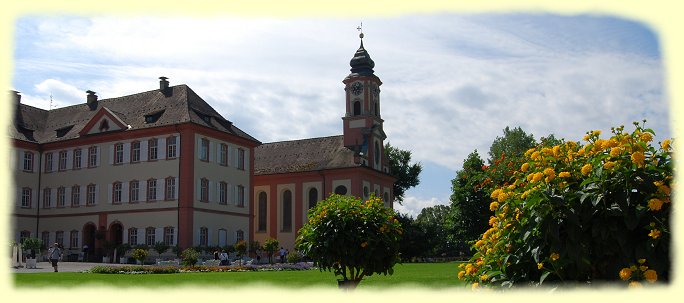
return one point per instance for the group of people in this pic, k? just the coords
(223, 256)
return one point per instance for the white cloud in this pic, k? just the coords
(413, 205)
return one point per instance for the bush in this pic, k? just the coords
(140, 255)
(581, 213)
(351, 237)
(189, 256)
(271, 246)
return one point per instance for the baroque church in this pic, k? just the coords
(165, 166)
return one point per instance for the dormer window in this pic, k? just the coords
(63, 131)
(104, 126)
(153, 117)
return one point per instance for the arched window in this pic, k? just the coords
(262, 212)
(357, 108)
(377, 153)
(313, 197)
(287, 210)
(204, 236)
(341, 190)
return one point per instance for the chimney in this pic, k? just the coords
(16, 97)
(91, 100)
(164, 86)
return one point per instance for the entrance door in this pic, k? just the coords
(89, 240)
(116, 236)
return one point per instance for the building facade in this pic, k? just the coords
(158, 166)
(164, 166)
(291, 176)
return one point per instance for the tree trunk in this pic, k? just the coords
(348, 285)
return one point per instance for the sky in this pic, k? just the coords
(451, 82)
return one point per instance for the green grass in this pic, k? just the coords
(427, 275)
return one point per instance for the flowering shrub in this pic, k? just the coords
(185, 269)
(575, 212)
(351, 237)
(140, 254)
(189, 256)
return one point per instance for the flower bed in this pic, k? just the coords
(154, 269)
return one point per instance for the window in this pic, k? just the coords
(90, 195)
(73, 239)
(377, 152)
(26, 194)
(152, 149)
(240, 196)
(59, 237)
(75, 196)
(77, 158)
(118, 153)
(313, 197)
(223, 155)
(48, 162)
(204, 236)
(239, 236)
(60, 196)
(204, 190)
(287, 211)
(132, 236)
(151, 189)
(92, 156)
(365, 192)
(28, 161)
(134, 189)
(204, 150)
(262, 212)
(149, 236)
(171, 147)
(168, 235)
(341, 190)
(241, 159)
(135, 151)
(170, 189)
(223, 193)
(62, 160)
(45, 237)
(47, 199)
(116, 192)
(357, 108)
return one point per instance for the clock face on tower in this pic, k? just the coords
(357, 88)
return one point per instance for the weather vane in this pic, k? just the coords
(360, 29)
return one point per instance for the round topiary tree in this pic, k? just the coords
(189, 256)
(140, 255)
(351, 237)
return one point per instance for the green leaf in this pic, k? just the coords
(543, 276)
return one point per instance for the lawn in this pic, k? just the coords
(426, 275)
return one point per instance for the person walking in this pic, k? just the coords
(55, 254)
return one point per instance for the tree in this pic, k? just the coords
(140, 255)
(513, 144)
(271, 246)
(467, 218)
(161, 247)
(431, 221)
(240, 248)
(400, 168)
(254, 247)
(413, 242)
(32, 245)
(351, 237)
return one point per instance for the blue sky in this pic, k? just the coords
(452, 82)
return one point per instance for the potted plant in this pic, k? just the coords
(121, 250)
(139, 255)
(33, 245)
(160, 247)
(108, 247)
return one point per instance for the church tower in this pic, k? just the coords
(363, 131)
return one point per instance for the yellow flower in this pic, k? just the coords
(483, 277)
(493, 220)
(651, 276)
(641, 261)
(625, 274)
(494, 206)
(666, 144)
(540, 265)
(530, 176)
(525, 167)
(461, 274)
(495, 193)
(475, 286)
(554, 256)
(609, 165)
(638, 158)
(586, 169)
(364, 244)
(635, 284)
(502, 197)
(646, 137)
(664, 189)
(581, 151)
(511, 187)
(556, 150)
(479, 243)
(535, 155)
(564, 174)
(537, 177)
(643, 267)
(655, 204)
(655, 233)
(596, 132)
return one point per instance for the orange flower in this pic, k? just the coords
(655, 204)
(364, 244)
(638, 158)
(625, 274)
(651, 276)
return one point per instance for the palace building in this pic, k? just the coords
(164, 166)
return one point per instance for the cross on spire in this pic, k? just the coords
(360, 29)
